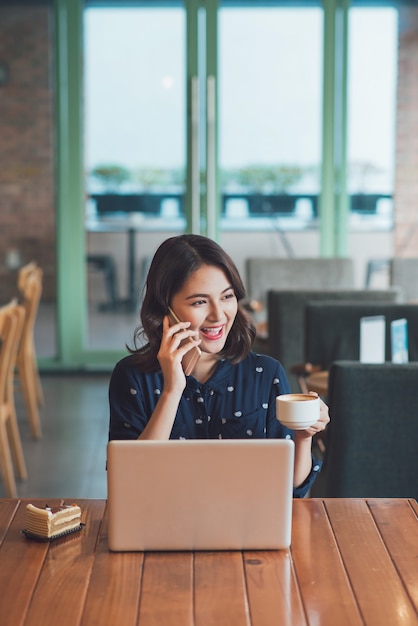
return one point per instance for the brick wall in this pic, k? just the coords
(406, 176)
(27, 223)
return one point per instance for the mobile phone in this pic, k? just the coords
(192, 356)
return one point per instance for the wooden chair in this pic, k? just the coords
(30, 286)
(11, 326)
(24, 272)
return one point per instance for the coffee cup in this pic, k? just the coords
(297, 410)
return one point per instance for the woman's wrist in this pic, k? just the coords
(172, 394)
(303, 457)
(300, 436)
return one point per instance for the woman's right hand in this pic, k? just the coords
(171, 352)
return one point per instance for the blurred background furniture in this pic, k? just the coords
(30, 287)
(106, 263)
(371, 442)
(375, 269)
(399, 272)
(332, 329)
(265, 274)
(404, 274)
(130, 224)
(332, 333)
(286, 319)
(11, 325)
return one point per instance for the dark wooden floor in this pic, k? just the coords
(69, 461)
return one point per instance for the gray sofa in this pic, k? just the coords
(371, 441)
(332, 329)
(265, 274)
(286, 319)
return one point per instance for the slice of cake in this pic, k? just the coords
(50, 522)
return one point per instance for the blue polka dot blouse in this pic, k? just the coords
(237, 402)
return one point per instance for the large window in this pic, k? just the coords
(135, 99)
(270, 96)
(267, 146)
(135, 138)
(371, 115)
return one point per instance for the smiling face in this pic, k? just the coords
(208, 301)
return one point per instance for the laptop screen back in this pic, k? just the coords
(200, 494)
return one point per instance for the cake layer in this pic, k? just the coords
(48, 522)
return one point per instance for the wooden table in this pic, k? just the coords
(351, 562)
(318, 381)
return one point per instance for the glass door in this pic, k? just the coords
(270, 128)
(135, 156)
(371, 125)
(227, 109)
(199, 116)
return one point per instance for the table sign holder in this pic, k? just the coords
(372, 339)
(399, 340)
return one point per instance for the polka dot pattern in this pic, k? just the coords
(237, 402)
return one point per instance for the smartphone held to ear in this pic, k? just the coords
(192, 356)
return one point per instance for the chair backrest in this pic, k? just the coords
(332, 329)
(19, 314)
(404, 274)
(371, 441)
(286, 319)
(31, 291)
(8, 326)
(24, 273)
(11, 325)
(265, 274)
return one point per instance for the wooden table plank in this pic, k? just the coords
(351, 562)
(319, 568)
(22, 561)
(220, 593)
(167, 589)
(380, 594)
(7, 510)
(414, 506)
(272, 588)
(398, 525)
(113, 593)
(61, 589)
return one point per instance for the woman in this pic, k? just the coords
(231, 392)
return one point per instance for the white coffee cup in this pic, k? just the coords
(297, 410)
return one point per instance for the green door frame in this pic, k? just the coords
(212, 213)
(70, 192)
(71, 299)
(202, 209)
(192, 200)
(71, 316)
(334, 205)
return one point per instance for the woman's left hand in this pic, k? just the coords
(320, 425)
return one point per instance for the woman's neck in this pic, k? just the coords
(205, 367)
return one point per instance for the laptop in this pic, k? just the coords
(200, 494)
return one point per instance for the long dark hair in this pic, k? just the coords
(174, 261)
